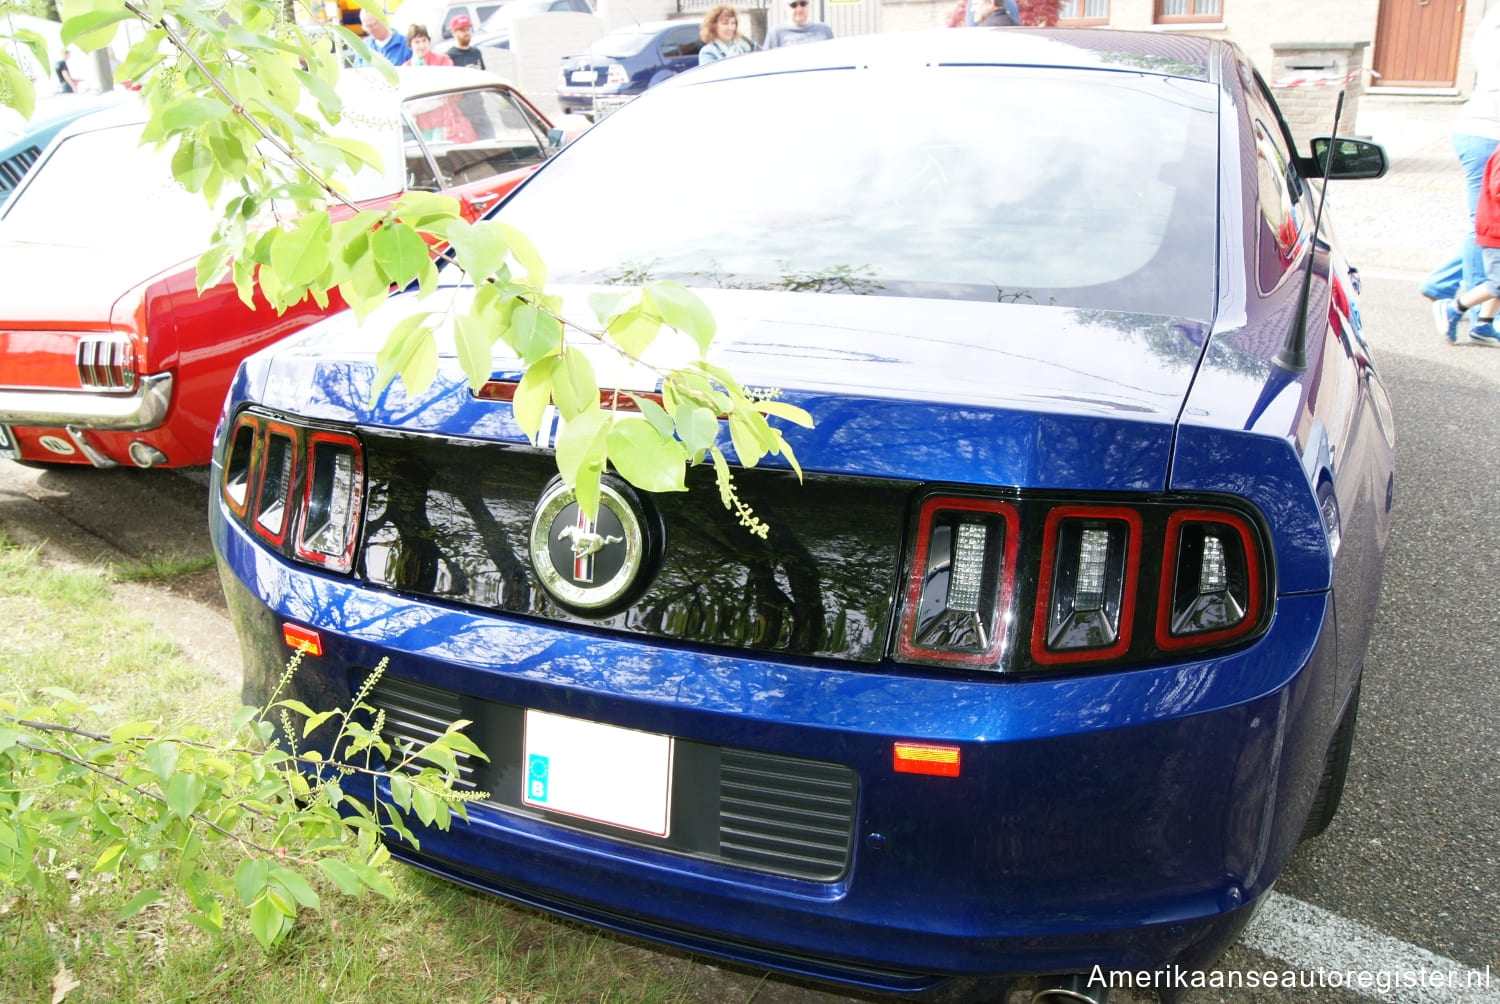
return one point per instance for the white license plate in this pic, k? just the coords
(585, 76)
(610, 775)
(8, 447)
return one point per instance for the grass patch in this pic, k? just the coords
(161, 568)
(433, 943)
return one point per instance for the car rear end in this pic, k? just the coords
(999, 693)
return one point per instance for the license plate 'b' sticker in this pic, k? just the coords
(536, 778)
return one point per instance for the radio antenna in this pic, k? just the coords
(1293, 354)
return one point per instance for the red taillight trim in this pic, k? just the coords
(1040, 653)
(254, 423)
(279, 428)
(356, 500)
(301, 639)
(990, 656)
(1167, 641)
(924, 758)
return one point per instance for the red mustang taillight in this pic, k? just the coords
(1086, 597)
(235, 485)
(300, 489)
(1210, 586)
(1035, 583)
(960, 583)
(326, 532)
(276, 473)
(106, 362)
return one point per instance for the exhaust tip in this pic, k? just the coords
(1070, 989)
(143, 454)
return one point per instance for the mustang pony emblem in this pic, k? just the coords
(586, 542)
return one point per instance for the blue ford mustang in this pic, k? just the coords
(1055, 654)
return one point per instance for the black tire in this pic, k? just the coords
(1335, 771)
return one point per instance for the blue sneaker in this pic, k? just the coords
(1484, 333)
(1446, 314)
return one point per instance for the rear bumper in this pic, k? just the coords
(1124, 820)
(144, 409)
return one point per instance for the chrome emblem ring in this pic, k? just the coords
(586, 564)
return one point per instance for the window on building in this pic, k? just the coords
(1189, 10)
(1075, 12)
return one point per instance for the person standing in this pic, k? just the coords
(798, 30)
(1476, 133)
(992, 14)
(463, 34)
(420, 44)
(66, 83)
(720, 34)
(384, 41)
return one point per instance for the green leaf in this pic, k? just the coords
(606, 305)
(15, 83)
(697, 427)
(279, 76)
(425, 804)
(634, 330)
(781, 409)
(574, 389)
(192, 164)
(400, 251)
(190, 113)
(655, 414)
(365, 287)
(420, 209)
(137, 903)
(297, 886)
(401, 791)
(681, 308)
(409, 350)
(89, 24)
(342, 876)
(438, 755)
(183, 793)
(646, 459)
(524, 252)
(472, 342)
(531, 399)
(300, 255)
(328, 99)
(746, 444)
(580, 447)
(106, 861)
(250, 880)
(161, 758)
(374, 880)
(481, 248)
(266, 921)
(127, 731)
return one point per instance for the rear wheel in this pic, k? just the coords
(1335, 771)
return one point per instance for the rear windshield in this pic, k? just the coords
(1081, 188)
(621, 44)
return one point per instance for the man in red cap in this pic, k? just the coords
(463, 33)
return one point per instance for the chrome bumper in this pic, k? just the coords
(85, 410)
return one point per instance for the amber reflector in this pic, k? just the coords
(302, 639)
(913, 758)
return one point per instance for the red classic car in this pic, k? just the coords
(108, 354)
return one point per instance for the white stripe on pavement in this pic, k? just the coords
(1374, 965)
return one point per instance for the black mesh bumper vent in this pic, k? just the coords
(776, 814)
(785, 815)
(416, 715)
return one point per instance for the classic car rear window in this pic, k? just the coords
(1082, 188)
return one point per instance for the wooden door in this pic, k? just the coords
(1416, 43)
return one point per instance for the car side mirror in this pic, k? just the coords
(1353, 159)
(555, 138)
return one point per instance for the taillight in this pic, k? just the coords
(617, 74)
(106, 363)
(327, 527)
(300, 489)
(1210, 587)
(1034, 582)
(1086, 596)
(237, 459)
(962, 573)
(278, 470)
